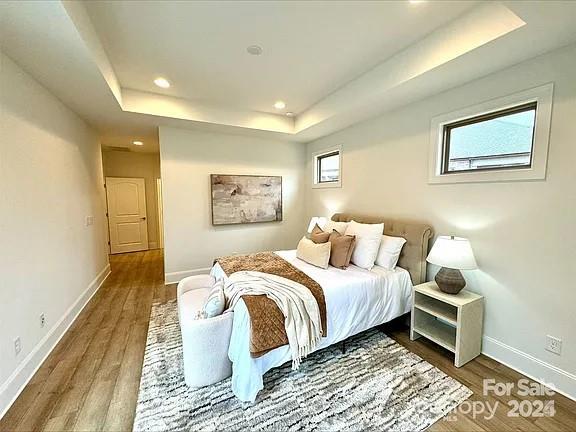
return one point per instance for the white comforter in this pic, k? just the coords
(356, 300)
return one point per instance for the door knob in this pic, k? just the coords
(143, 218)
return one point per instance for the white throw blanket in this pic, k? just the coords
(298, 305)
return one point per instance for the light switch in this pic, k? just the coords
(89, 220)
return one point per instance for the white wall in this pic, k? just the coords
(50, 180)
(138, 165)
(522, 233)
(187, 160)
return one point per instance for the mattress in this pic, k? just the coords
(356, 300)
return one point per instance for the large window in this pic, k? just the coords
(504, 139)
(498, 140)
(327, 168)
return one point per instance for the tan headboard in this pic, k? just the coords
(414, 252)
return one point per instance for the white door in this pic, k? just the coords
(127, 214)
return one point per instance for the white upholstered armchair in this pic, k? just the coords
(204, 341)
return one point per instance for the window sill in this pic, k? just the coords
(491, 176)
(327, 185)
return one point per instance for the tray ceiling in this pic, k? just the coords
(332, 63)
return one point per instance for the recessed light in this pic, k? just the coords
(290, 114)
(280, 105)
(254, 50)
(138, 143)
(162, 82)
(416, 1)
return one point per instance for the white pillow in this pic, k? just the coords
(317, 254)
(338, 226)
(368, 237)
(216, 301)
(389, 251)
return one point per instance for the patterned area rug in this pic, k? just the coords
(376, 385)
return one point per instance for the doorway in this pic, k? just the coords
(160, 213)
(127, 217)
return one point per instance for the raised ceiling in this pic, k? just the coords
(310, 49)
(333, 63)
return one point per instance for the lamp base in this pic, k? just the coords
(450, 280)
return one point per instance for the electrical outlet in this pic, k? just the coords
(42, 320)
(89, 220)
(553, 344)
(17, 346)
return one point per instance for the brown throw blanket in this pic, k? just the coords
(267, 329)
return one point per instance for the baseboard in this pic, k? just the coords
(10, 389)
(175, 277)
(152, 245)
(563, 382)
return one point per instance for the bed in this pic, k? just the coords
(356, 300)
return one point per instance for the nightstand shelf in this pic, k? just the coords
(435, 307)
(437, 331)
(452, 321)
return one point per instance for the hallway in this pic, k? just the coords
(90, 381)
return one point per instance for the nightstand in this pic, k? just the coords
(452, 321)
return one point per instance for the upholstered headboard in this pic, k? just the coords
(414, 252)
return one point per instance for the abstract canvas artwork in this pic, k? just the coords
(240, 199)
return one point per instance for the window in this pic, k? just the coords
(505, 139)
(328, 167)
(327, 170)
(498, 140)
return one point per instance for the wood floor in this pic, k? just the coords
(90, 381)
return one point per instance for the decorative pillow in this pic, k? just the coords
(368, 238)
(315, 254)
(341, 249)
(338, 226)
(389, 251)
(216, 301)
(319, 236)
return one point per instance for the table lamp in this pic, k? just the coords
(452, 254)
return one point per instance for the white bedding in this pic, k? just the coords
(356, 300)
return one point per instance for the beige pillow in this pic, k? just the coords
(316, 254)
(319, 236)
(338, 226)
(341, 250)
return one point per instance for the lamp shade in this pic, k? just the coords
(452, 252)
(321, 221)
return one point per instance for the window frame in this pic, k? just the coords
(319, 159)
(448, 127)
(542, 96)
(316, 158)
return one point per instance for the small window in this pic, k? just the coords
(327, 168)
(495, 141)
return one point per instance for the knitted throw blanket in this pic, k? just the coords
(298, 305)
(267, 321)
